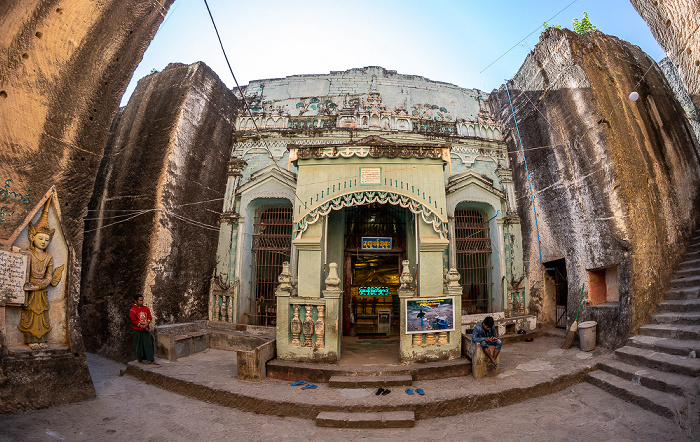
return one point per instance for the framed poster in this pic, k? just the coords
(426, 315)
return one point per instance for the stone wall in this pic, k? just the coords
(152, 223)
(676, 26)
(64, 66)
(615, 181)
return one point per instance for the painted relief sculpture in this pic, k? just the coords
(34, 322)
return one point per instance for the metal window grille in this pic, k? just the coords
(272, 242)
(473, 247)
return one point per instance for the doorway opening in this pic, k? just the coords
(375, 245)
(561, 289)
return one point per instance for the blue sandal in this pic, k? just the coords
(420, 391)
(409, 391)
(294, 384)
(309, 387)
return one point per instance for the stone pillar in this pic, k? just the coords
(430, 268)
(310, 262)
(334, 324)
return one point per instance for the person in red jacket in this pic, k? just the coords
(141, 323)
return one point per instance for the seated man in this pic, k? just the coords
(485, 334)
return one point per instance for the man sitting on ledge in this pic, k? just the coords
(485, 335)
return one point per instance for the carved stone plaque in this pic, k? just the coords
(13, 275)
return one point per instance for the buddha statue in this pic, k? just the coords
(34, 322)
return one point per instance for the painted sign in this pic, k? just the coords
(370, 175)
(13, 275)
(376, 243)
(424, 315)
(373, 291)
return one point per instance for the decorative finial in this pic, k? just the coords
(42, 226)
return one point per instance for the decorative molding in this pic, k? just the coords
(368, 197)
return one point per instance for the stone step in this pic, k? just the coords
(369, 381)
(689, 264)
(688, 272)
(683, 293)
(691, 255)
(678, 331)
(675, 318)
(659, 361)
(693, 247)
(386, 419)
(679, 347)
(672, 383)
(661, 403)
(679, 305)
(690, 281)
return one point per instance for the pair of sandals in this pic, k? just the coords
(418, 390)
(382, 391)
(305, 387)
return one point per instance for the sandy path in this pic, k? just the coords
(126, 409)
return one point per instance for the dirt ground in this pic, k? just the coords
(126, 409)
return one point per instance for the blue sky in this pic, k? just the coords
(451, 41)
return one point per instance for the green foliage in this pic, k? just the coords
(582, 27)
(153, 71)
(546, 26)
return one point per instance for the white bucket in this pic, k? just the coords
(586, 335)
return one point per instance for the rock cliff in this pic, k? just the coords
(615, 181)
(152, 222)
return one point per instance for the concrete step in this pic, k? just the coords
(679, 347)
(659, 361)
(369, 381)
(690, 318)
(679, 305)
(688, 272)
(693, 247)
(672, 383)
(683, 293)
(390, 419)
(663, 404)
(690, 281)
(689, 264)
(678, 331)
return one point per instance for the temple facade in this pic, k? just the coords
(366, 202)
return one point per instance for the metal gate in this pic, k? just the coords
(473, 247)
(272, 242)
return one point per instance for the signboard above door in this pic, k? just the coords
(376, 243)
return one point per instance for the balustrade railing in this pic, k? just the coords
(222, 307)
(309, 332)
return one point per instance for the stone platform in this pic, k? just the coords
(528, 369)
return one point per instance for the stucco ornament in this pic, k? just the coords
(34, 322)
(285, 278)
(405, 279)
(333, 281)
(452, 278)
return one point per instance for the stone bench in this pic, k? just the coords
(481, 364)
(254, 346)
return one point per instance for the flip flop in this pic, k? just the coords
(379, 391)
(294, 384)
(386, 391)
(420, 391)
(309, 387)
(409, 391)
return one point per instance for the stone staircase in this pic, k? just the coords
(659, 369)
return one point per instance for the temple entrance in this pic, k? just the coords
(375, 245)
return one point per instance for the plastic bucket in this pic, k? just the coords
(586, 335)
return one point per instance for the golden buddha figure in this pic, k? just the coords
(34, 322)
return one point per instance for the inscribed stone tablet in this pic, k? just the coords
(370, 175)
(13, 275)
